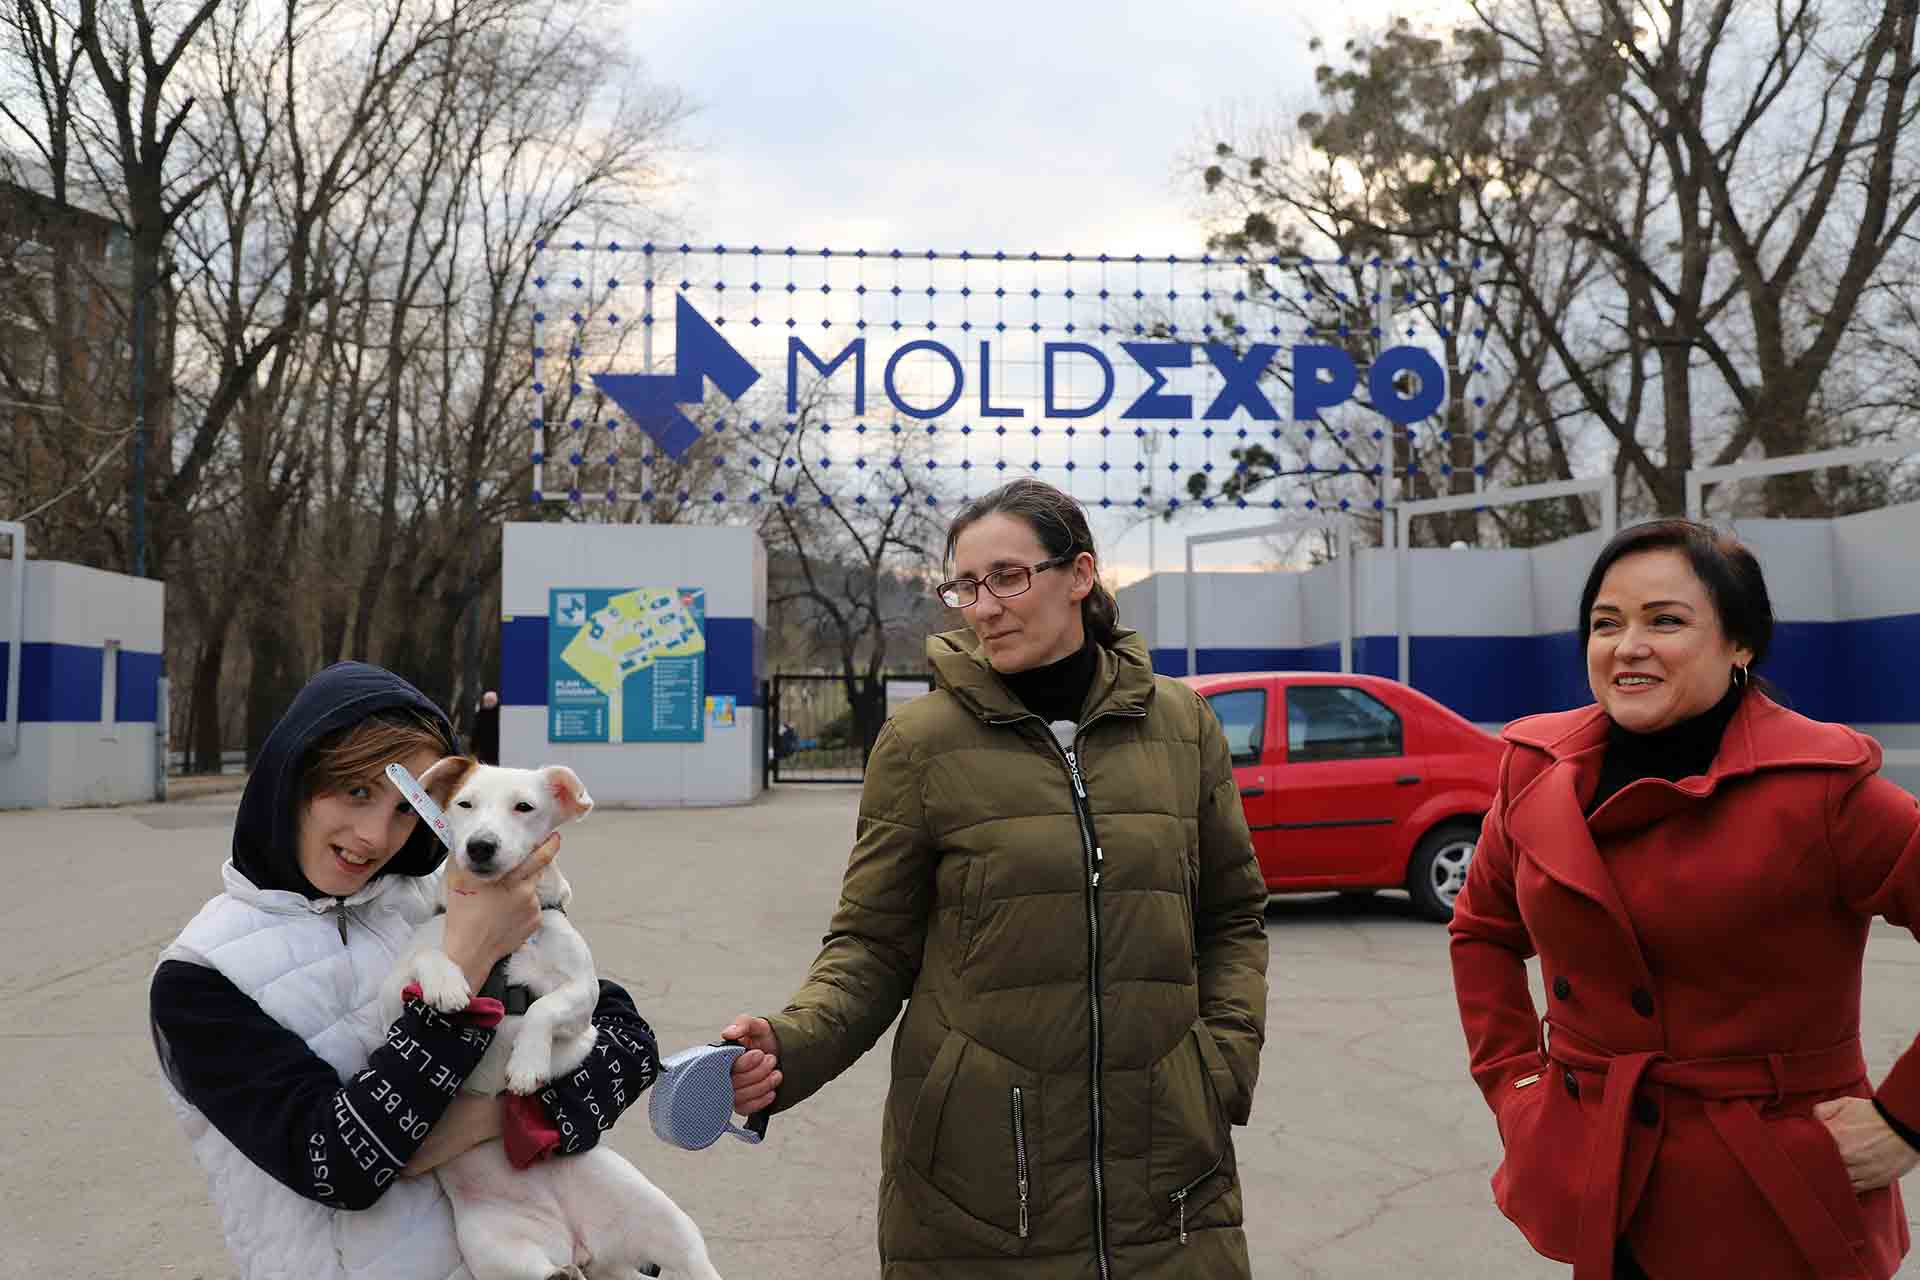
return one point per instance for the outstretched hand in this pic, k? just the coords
(756, 1074)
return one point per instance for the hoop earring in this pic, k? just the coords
(1740, 676)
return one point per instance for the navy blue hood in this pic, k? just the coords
(265, 847)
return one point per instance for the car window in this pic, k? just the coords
(1243, 714)
(1339, 722)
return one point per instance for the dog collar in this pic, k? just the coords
(515, 999)
(441, 910)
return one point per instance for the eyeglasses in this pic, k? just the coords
(1004, 583)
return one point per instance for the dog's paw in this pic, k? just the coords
(443, 986)
(525, 1083)
(530, 1067)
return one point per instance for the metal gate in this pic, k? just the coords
(811, 735)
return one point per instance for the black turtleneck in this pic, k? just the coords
(1683, 750)
(1057, 691)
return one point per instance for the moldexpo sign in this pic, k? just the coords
(1323, 378)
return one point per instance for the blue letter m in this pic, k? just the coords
(857, 349)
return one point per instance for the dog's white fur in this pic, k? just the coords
(592, 1214)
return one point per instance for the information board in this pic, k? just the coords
(626, 665)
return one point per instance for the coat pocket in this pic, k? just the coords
(969, 1163)
(1540, 1181)
(1809, 1144)
(1190, 1158)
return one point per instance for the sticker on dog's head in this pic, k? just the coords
(568, 792)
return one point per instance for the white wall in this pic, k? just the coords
(1556, 575)
(69, 765)
(1876, 570)
(721, 559)
(1798, 559)
(74, 604)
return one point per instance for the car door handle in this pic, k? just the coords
(1406, 780)
(1248, 793)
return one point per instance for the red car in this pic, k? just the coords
(1355, 782)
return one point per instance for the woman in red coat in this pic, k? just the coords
(1696, 867)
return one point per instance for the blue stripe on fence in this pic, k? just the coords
(1868, 670)
(734, 647)
(136, 688)
(523, 661)
(735, 652)
(61, 684)
(1854, 672)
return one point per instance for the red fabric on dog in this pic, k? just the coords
(526, 1129)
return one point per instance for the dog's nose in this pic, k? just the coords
(480, 852)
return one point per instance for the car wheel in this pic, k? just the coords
(1438, 869)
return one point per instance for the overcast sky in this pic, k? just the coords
(1050, 125)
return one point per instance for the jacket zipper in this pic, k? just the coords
(1090, 849)
(1179, 1197)
(342, 918)
(1020, 1156)
(1094, 859)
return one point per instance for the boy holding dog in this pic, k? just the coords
(304, 1107)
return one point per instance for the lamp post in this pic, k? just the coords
(140, 433)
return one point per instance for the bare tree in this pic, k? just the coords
(1690, 203)
(63, 371)
(153, 182)
(858, 538)
(1374, 190)
(543, 145)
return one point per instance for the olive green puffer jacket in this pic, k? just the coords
(1085, 978)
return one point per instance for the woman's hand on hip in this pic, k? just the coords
(1874, 1154)
(756, 1075)
(488, 920)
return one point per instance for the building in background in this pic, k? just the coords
(67, 313)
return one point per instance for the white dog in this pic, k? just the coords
(592, 1214)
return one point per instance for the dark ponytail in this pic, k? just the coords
(1060, 523)
(1101, 613)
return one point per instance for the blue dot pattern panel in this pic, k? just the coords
(668, 376)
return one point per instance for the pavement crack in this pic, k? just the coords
(36, 985)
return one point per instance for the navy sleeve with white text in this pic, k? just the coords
(281, 1104)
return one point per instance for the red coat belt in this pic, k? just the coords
(1730, 1088)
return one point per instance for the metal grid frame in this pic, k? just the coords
(1700, 477)
(1342, 529)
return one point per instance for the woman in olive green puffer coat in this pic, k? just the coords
(1075, 920)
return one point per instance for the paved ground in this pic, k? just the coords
(1368, 1156)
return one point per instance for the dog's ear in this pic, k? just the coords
(568, 791)
(445, 777)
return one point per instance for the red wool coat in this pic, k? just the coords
(1701, 944)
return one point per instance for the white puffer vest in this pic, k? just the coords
(285, 952)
